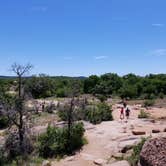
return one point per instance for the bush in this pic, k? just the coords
(63, 112)
(161, 95)
(149, 103)
(50, 108)
(99, 113)
(134, 158)
(102, 98)
(4, 121)
(55, 141)
(61, 93)
(143, 114)
(3, 159)
(13, 148)
(92, 113)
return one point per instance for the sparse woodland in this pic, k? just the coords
(79, 99)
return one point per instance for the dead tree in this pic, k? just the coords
(20, 71)
(14, 107)
(75, 92)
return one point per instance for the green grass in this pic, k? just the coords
(143, 114)
(135, 156)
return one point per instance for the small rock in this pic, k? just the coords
(119, 163)
(99, 162)
(152, 121)
(69, 158)
(127, 148)
(100, 132)
(131, 127)
(138, 132)
(117, 155)
(155, 131)
(124, 130)
(88, 157)
(46, 163)
(128, 153)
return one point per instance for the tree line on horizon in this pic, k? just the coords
(129, 86)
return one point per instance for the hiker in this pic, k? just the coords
(124, 104)
(127, 113)
(43, 106)
(122, 113)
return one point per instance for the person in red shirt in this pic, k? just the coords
(122, 113)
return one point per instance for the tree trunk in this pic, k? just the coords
(21, 132)
(70, 123)
(19, 86)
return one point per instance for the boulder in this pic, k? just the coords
(46, 163)
(154, 152)
(138, 132)
(155, 131)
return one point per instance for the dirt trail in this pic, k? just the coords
(108, 138)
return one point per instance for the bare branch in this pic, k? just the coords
(21, 70)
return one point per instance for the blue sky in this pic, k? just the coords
(84, 37)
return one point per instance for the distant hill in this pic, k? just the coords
(7, 77)
(13, 77)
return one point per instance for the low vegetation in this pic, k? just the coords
(149, 103)
(4, 121)
(97, 114)
(94, 113)
(135, 156)
(143, 114)
(55, 143)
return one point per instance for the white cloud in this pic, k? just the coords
(157, 25)
(100, 57)
(159, 52)
(40, 8)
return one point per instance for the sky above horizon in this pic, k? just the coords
(84, 37)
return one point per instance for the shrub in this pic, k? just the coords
(134, 158)
(99, 113)
(50, 108)
(63, 112)
(60, 93)
(143, 114)
(4, 121)
(149, 103)
(55, 141)
(77, 140)
(92, 113)
(3, 159)
(161, 95)
(102, 98)
(106, 112)
(13, 148)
